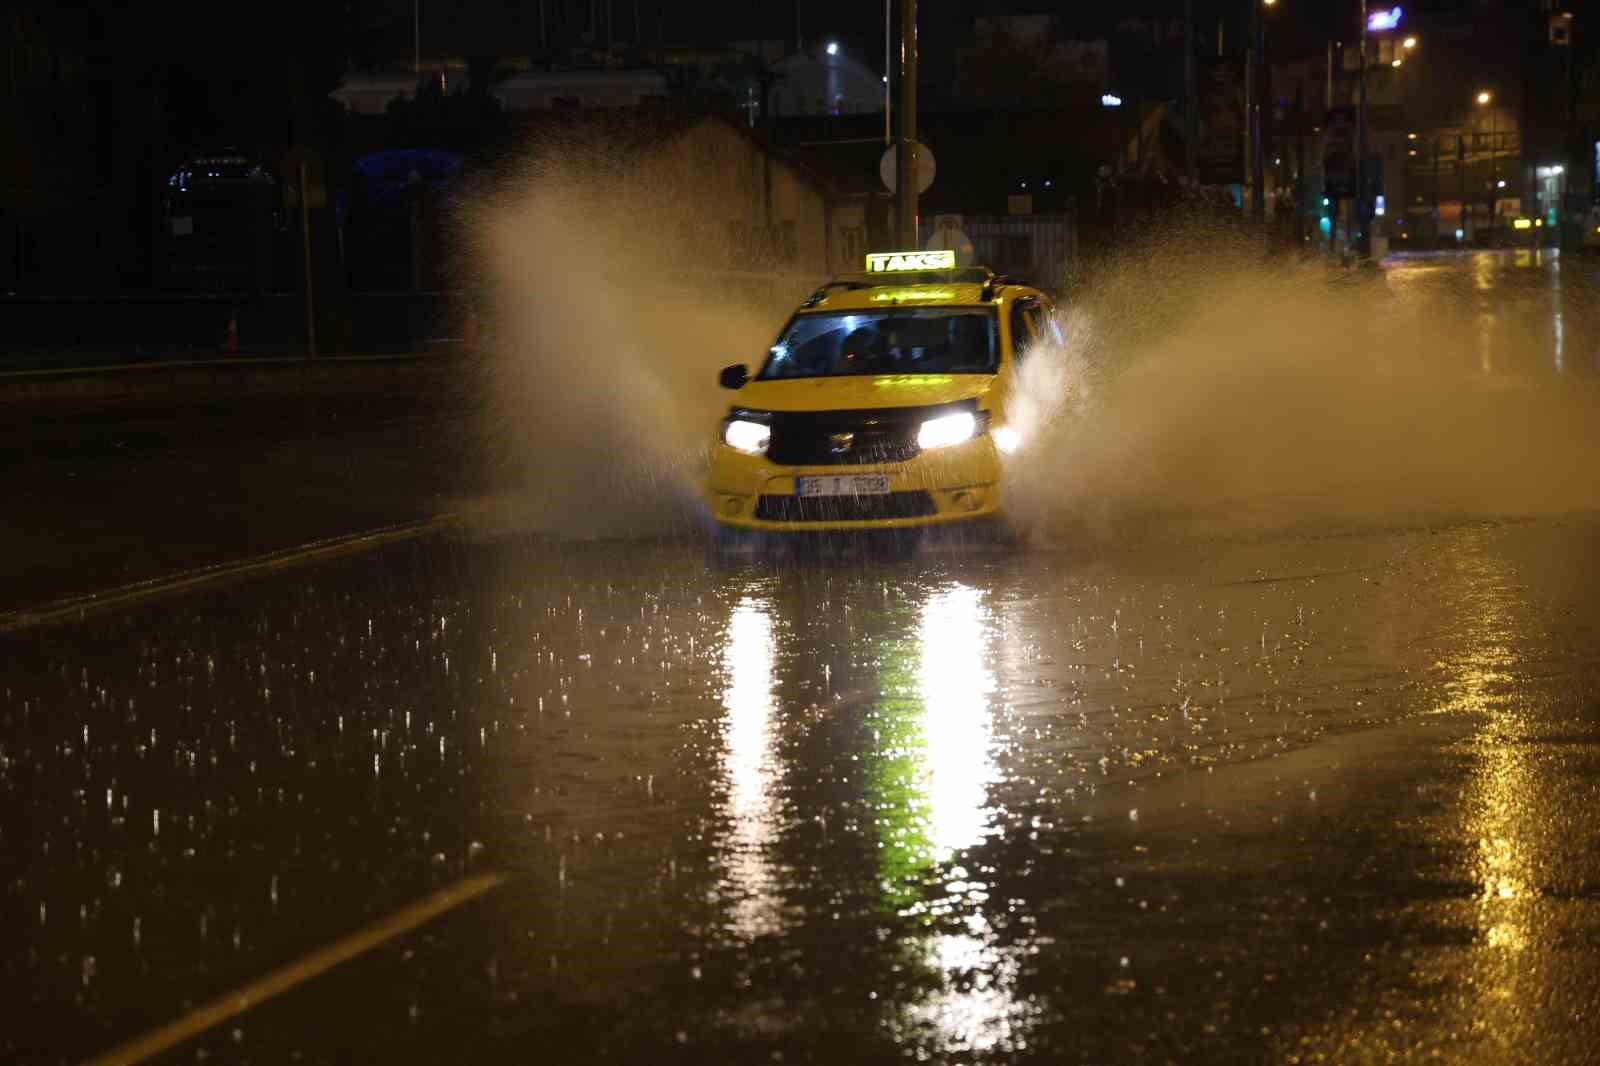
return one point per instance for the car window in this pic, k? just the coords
(1027, 323)
(906, 340)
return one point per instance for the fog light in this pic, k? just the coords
(966, 501)
(732, 505)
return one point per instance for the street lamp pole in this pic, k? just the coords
(1494, 174)
(1363, 236)
(1257, 83)
(906, 178)
(1191, 121)
(1486, 100)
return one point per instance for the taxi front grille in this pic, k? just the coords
(832, 440)
(916, 504)
(846, 438)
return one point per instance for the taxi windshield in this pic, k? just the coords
(905, 340)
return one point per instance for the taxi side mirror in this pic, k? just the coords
(734, 377)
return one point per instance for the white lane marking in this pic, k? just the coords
(76, 607)
(301, 970)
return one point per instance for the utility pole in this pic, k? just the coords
(888, 69)
(1494, 173)
(1300, 165)
(1437, 221)
(1363, 221)
(906, 178)
(311, 280)
(1191, 105)
(1247, 159)
(1258, 181)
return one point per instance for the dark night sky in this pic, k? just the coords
(857, 23)
(714, 19)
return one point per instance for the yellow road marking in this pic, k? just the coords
(301, 970)
(77, 607)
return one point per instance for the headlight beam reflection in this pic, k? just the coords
(749, 769)
(957, 768)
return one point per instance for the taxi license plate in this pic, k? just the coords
(843, 485)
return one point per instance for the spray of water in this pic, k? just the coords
(1193, 388)
(1189, 385)
(607, 321)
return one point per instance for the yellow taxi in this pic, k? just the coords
(881, 405)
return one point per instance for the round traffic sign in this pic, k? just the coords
(889, 167)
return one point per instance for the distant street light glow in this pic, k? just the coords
(1500, 184)
(833, 48)
(1379, 21)
(1484, 97)
(1110, 100)
(1409, 43)
(1396, 63)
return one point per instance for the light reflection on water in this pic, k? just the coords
(1557, 305)
(750, 768)
(932, 790)
(974, 1008)
(955, 682)
(1500, 812)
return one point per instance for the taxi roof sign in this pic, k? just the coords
(896, 262)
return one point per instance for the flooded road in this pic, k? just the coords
(1262, 798)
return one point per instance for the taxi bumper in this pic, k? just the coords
(959, 483)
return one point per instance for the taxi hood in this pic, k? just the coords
(857, 392)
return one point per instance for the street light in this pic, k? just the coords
(1409, 43)
(833, 48)
(1484, 97)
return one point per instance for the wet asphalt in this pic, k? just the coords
(1323, 795)
(1252, 800)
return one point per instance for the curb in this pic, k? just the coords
(234, 363)
(214, 377)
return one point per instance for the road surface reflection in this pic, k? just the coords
(750, 769)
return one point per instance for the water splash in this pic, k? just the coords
(1249, 396)
(609, 316)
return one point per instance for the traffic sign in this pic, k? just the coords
(889, 167)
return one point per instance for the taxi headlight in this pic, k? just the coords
(949, 429)
(746, 436)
